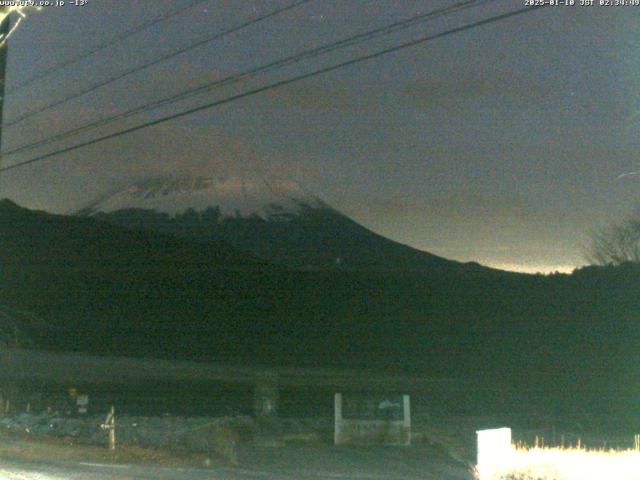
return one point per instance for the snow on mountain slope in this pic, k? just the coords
(274, 220)
(234, 196)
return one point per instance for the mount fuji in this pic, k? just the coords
(275, 220)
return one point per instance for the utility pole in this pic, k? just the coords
(5, 27)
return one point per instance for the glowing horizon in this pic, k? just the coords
(530, 268)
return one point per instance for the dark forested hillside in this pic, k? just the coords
(103, 289)
(311, 238)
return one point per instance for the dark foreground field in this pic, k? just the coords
(443, 447)
(22, 459)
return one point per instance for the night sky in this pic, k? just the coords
(500, 144)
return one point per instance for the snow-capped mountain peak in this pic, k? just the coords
(234, 196)
(274, 220)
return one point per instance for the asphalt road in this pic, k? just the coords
(305, 463)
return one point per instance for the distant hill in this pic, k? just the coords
(46, 240)
(275, 220)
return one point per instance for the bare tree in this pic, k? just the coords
(616, 244)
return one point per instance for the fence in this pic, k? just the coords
(389, 425)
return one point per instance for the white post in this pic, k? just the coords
(110, 425)
(494, 451)
(406, 404)
(266, 395)
(337, 432)
(112, 430)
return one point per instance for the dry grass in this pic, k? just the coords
(36, 448)
(540, 463)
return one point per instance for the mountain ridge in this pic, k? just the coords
(277, 221)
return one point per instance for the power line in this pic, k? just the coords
(289, 60)
(277, 84)
(106, 44)
(161, 59)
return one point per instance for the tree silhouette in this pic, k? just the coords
(617, 243)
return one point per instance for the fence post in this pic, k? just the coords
(110, 425)
(266, 395)
(406, 420)
(337, 432)
(112, 431)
